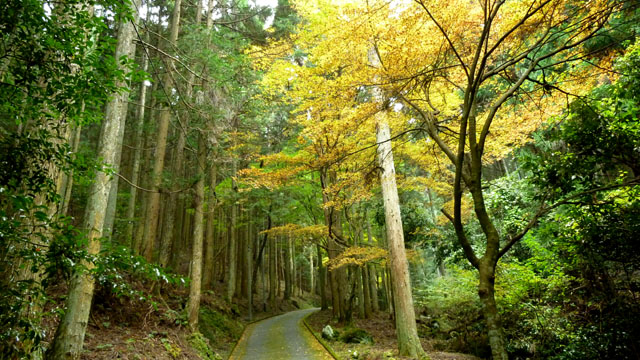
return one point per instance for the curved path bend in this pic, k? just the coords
(280, 337)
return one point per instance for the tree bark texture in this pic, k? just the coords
(193, 304)
(233, 239)
(207, 278)
(137, 155)
(153, 207)
(322, 279)
(69, 337)
(408, 341)
(288, 281)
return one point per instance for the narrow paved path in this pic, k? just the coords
(280, 337)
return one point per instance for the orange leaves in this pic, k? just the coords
(312, 232)
(427, 51)
(466, 210)
(273, 179)
(357, 256)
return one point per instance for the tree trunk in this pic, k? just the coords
(358, 278)
(373, 287)
(110, 213)
(292, 265)
(241, 284)
(171, 209)
(322, 280)
(207, 278)
(287, 270)
(272, 274)
(370, 270)
(137, 155)
(486, 291)
(280, 268)
(153, 209)
(408, 341)
(145, 181)
(312, 285)
(260, 253)
(249, 268)
(386, 297)
(233, 263)
(69, 337)
(263, 283)
(68, 177)
(193, 305)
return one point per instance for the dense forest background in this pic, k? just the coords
(467, 171)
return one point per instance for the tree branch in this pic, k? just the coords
(464, 241)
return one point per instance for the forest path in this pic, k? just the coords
(280, 337)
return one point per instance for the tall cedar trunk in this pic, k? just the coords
(291, 265)
(153, 207)
(181, 207)
(68, 179)
(145, 180)
(280, 266)
(207, 278)
(110, 213)
(249, 267)
(233, 263)
(366, 291)
(335, 295)
(371, 271)
(240, 268)
(373, 288)
(137, 155)
(343, 280)
(184, 243)
(272, 274)
(366, 285)
(177, 170)
(193, 305)
(390, 284)
(170, 211)
(260, 253)
(359, 291)
(312, 285)
(221, 264)
(263, 283)
(287, 270)
(358, 277)
(211, 200)
(322, 280)
(408, 341)
(386, 302)
(337, 277)
(69, 337)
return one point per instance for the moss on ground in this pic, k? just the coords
(199, 343)
(219, 327)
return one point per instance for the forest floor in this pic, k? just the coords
(125, 328)
(382, 330)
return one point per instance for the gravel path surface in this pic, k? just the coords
(280, 337)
